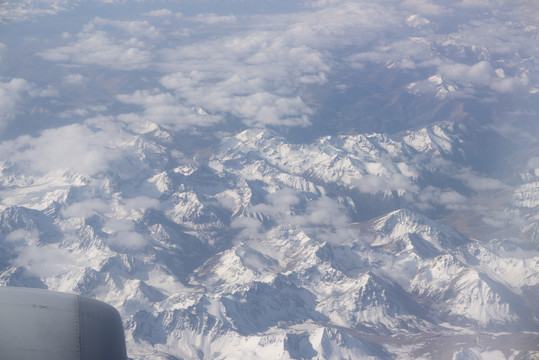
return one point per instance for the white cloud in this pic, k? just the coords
(44, 261)
(97, 48)
(2, 50)
(73, 148)
(86, 208)
(322, 3)
(322, 218)
(23, 10)
(159, 13)
(506, 85)
(477, 74)
(477, 182)
(459, 79)
(417, 20)
(533, 163)
(407, 53)
(284, 206)
(47, 92)
(251, 228)
(373, 184)
(430, 197)
(122, 234)
(21, 236)
(82, 112)
(75, 79)
(425, 7)
(479, 3)
(212, 19)
(133, 28)
(134, 208)
(164, 109)
(279, 204)
(10, 96)
(257, 75)
(141, 203)
(324, 212)
(465, 57)
(256, 78)
(130, 240)
(348, 23)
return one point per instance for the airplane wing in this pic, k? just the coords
(47, 325)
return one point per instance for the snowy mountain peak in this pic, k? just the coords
(417, 231)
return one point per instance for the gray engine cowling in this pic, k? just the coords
(48, 325)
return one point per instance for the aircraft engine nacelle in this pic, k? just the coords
(39, 324)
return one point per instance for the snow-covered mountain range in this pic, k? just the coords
(260, 248)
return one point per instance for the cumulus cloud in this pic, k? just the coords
(86, 208)
(2, 50)
(133, 28)
(533, 163)
(256, 79)
(409, 53)
(250, 227)
(466, 59)
(161, 13)
(45, 260)
(122, 234)
(119, 227)
(82, 112)
(73, 148)
(322, 3)
(322, 218)
(141, 203)
(426, 7)
(23, 10)
(257, 76)
(279, 204)
(417, 20)
(134, 208)
(323, 212)
(165, 109)
(75, 79)
(98, 48)
(477, 74)
(477, 182)
(506, 85)
(458, 79)
(22, 235)
(10, 96)
(432, 197)
(355, 23)
(211, 19)
(284, 206)
(130, 240)
(373, 184)
(478, 3)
